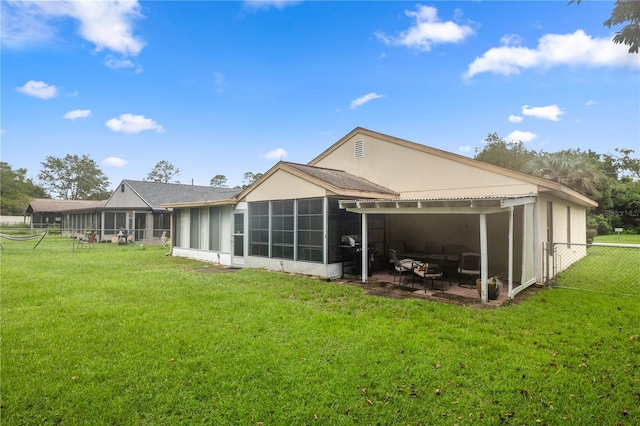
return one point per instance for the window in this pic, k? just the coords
(340, 222)
(569, 226)
(177, 227)
(238, 234)
(114, 222)
(550, 222)
(259, 229)
(310, 229)
(194, 226)
(214, 228)
(282, 229)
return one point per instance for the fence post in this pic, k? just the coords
(547, 251)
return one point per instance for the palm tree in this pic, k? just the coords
(570, 169)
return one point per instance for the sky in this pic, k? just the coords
(229, 87)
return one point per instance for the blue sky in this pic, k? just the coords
(232, 87)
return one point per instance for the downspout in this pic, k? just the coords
(510, 252)
(171, 233)
(365, 249)
(484, 263)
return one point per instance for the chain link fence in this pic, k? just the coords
(605, 268)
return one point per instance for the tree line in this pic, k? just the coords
(612, 180)
(74, 177)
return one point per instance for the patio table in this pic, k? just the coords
(441, 259)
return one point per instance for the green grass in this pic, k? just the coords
(618, 239)
(122, 335)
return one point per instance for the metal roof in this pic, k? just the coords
(471, 204)
(54, 205)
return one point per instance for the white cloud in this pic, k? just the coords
(465, 148)
(276, 154)
(38, 89)
(265, 4)
(511, 40)
(129, 123)
(22, 25)
(521, 136)
(590, 102)
(106, 24)
(550, 112)
(118, 63)
(78, 113)
(114, 162)
(553, 50)
(427, 30)
(515, 118)
(364, 99)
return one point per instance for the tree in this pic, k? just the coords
(16, 190)
(570, 168)
(163, 172)
(624, 11)
(73, 177)
(219, 181)
(622, 163)
(511, 155)
(248, 178)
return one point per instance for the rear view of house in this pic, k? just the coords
(385, 191)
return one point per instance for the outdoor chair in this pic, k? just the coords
(400, 266)
(453, 252)
(399, 247)
(428, 271)
(469, 268)
(164, 240)
(89, 241)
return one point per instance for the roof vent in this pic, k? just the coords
(358, 149)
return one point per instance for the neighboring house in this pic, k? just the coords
(293, 218)
(46, 212)
(134, 209)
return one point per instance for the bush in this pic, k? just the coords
(600, 223)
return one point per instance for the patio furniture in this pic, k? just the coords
(123, 237)
(441, 261)
(453, 252)
(398, 246)
(469, 268)
(428, 271)
(89, 241)
(400, 266)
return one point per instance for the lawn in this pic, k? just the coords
(126, 335)
(618, 239)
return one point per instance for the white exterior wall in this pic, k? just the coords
(417, 174)
(285, 186)
(333, 270)
(125, 200)
(565, 230)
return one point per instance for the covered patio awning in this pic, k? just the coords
(444, 205)
(477, 205)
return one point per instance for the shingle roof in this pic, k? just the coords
(51, 205)
(340, 179)
(155, 193)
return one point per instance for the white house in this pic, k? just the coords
(385, 190)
